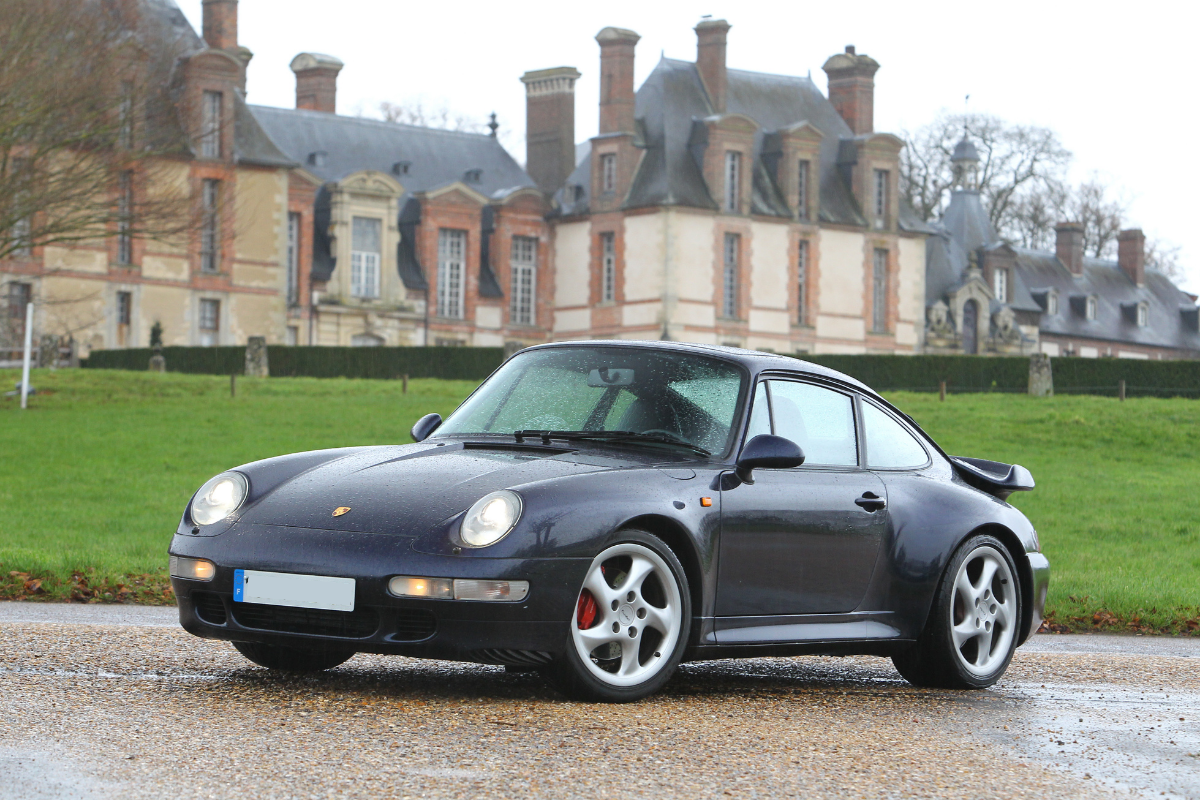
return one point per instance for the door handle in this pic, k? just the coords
(871, 502)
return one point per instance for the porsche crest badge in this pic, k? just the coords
(337, 512)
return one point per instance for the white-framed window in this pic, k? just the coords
(365, 252)
(879, 291)
(292, 336)
(125, 114)
(802, 283)
(452, 256)
(124, 317)
(608, 267)
(523, 263)
(733, 246)
(608, 173)
(210, 322)
(1052, 303)
(22, 233)
(1143, 315)
(802, 188)
(881, 197)
(125, 217)
(1000, 285)
(293, 258)
(733, 181)
(1092, 307)
(210, 124)
(210, 226)
(366, 340)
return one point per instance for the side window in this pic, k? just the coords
(820, 420)
(889, 446)
(760, 414)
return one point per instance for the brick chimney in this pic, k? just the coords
(710, 60)
(616, 79)
(316, 81)
(550, 125)
(1131, 254)
(852, 88)
(220, 24)
(1068, 245)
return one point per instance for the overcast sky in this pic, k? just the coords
(1116, 81)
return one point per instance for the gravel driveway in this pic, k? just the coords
(98, 702)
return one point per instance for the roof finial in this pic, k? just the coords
(493, 125)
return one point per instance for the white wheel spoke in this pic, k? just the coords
(962, 586)
(629, 655)
(600, 634)
(639, 570)
(984, 644)
(964, 631)
(1004, 614)
(600, 590)
(985, 576)
(659, 618)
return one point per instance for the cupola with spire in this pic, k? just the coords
(965, 162)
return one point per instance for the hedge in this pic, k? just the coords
(459, 363)
(921, 373)
(1011, 374)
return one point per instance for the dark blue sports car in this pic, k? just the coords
(602, 511)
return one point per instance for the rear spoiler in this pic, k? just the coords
(997, 479)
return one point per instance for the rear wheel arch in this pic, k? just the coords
(676, 537)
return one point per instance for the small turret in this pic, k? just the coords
(965, 161)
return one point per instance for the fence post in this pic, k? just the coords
(233, 384)
(1121, 390)
(404, 384)
(1041, 381)
(28, 347)
(942, 391)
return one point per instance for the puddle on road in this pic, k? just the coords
(1143, 741)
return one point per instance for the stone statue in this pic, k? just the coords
(937, 320)
(1005, 323)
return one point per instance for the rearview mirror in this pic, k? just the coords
(768, 452)
(425, 426)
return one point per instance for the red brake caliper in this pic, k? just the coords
(586, 613)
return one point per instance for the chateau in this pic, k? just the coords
(715, 205)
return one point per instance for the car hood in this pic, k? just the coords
(409, 489)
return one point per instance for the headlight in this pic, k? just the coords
(489, 520)
(219, 498)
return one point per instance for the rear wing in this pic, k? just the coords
(997, 479)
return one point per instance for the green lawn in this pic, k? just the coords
(93, 477)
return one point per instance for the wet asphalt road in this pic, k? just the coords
(105, 701)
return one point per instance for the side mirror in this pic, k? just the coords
(768, 452)
(425, 426)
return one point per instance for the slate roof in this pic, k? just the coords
(965, 227)
(436, 158)
(670, 106)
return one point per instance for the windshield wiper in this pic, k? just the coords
(658, 437)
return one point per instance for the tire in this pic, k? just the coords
(645, 582)
(291, 659)
(973, 627)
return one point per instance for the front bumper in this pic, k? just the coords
(1039, 568)
(528, 631)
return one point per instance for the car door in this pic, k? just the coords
(803, 540)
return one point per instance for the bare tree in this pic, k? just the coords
(79, 90)
(1162, 256)
(414, 112)
(1015, 161)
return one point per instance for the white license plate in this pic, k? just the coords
(298, 591)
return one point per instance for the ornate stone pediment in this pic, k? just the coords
(372, 183)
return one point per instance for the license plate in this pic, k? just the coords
(297, 591)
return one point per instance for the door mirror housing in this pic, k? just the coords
(425, 426)
(768, 452)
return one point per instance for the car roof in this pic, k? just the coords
(756, 361)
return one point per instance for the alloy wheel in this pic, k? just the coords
(983, 611)
(628, 617)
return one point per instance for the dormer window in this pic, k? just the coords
(1143, 315)
(1052, 303)
(881, 198)
(1092, 305)
(1000, 285)
(401, 167)
(802, 186)
(318, 158)
(473, 175)
(733, 181)
(210, 125)
(608, 173)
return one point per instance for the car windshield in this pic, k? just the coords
(673, 396)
